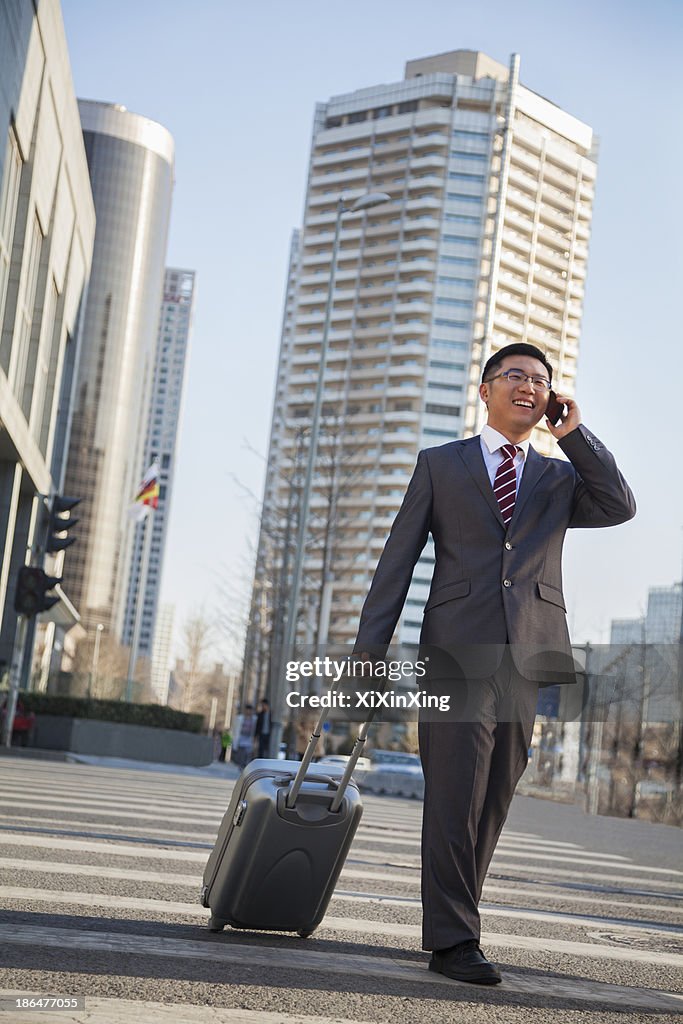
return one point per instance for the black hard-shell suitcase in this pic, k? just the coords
(275, 867)
(283, 842)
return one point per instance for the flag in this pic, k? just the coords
(148, 494)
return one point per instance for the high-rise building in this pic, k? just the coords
(130, 160)
(645, 663)
(47, 227)
(662, 621)
(161, 653)
(627, 631)
(160, 446)
(663, 618)
(484, 242)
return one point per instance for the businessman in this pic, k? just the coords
(494, 625)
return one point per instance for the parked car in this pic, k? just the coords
(395, 773)
(363, 764)
(395, 760)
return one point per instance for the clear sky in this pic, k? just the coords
(236, 85)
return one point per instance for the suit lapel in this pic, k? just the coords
(470, 452)
(534, 468)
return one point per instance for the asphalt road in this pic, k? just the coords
(100, 871)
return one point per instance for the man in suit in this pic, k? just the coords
(262, 729)
(494, 624)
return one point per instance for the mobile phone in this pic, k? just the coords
(555, 409)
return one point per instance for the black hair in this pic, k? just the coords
(518, 348)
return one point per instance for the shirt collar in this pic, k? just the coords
(493, 439)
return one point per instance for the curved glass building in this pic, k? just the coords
(130, 160)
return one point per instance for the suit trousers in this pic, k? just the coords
(472, 758)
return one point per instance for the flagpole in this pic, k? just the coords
(147, 526)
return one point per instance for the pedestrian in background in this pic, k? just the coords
(305, 724)
(244, 749)
(262, 730)
(226, 740)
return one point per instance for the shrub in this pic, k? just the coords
(156, 715)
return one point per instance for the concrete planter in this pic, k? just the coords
(116, 739)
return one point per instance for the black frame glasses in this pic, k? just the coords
(540, 383)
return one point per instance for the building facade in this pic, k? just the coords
(627, 631)
(484, 242)
(663, 618)
(161, 653)
(130, 161)
(47, 227)
(661, 623)
(160, 445)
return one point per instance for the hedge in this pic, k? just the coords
(157, 715)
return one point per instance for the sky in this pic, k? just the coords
(236, 85)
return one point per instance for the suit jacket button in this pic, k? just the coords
(507, 583)
(508, 545)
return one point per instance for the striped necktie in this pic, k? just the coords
(505, 483)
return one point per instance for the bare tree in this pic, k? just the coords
(197, 636)
(337, 470)
(212, 685)
(109, 681)
(634, 736)
(233, 595)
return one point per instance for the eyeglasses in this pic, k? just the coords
(516, 377)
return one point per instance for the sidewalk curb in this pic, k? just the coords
(216, 770)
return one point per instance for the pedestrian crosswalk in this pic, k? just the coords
(100, 874)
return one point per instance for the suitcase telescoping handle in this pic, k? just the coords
(351, 764)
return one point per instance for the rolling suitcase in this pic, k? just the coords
(283, 842)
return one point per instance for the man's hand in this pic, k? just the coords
(569, 421)
(367, 658)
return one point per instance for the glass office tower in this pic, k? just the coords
(47, 227)
(130, 160)
(163, 423)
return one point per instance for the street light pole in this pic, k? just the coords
(364, 202)
(92, 689)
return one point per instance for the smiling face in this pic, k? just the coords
(515, 410)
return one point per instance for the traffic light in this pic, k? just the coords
(58, 525)
(31, 594)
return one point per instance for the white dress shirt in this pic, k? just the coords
(491, 441)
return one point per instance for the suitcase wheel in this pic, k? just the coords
(304, 933)
(216, 924)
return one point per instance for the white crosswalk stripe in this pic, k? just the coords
(350, 924)
(122, 1011)
(146, 945)
(119, 850)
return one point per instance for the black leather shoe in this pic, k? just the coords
(465, 962)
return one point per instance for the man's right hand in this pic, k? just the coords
(569, 421)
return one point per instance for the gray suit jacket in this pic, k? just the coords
(493, 586)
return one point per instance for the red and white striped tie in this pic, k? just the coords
(505, 483)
